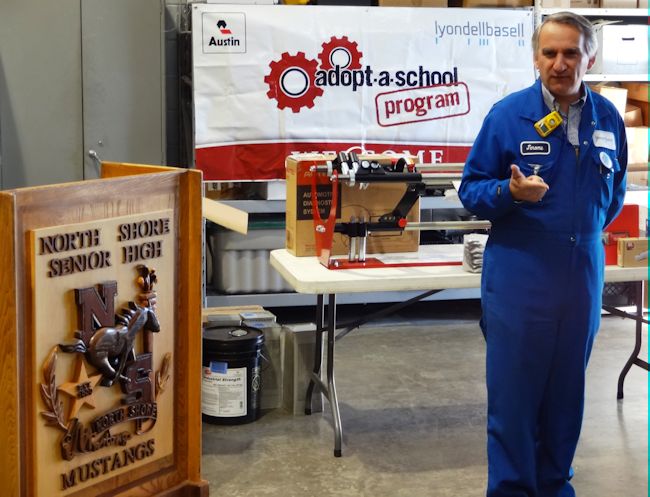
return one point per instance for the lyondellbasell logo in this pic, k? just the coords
(295, 81)
(224, 32)
(481, 32)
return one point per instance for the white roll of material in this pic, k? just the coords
(473, 247)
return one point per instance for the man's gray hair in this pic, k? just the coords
(577, 21)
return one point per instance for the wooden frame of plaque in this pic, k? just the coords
(100, 346)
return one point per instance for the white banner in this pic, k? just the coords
(272, 80)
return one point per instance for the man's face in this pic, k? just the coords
(562, 61)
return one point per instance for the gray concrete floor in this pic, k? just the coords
(412, 397)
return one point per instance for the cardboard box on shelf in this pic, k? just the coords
(615, 94)
(637, 91)
(637, 174)
(639, 178)
(497, 3)
(632, 252)
(623, 49)
(633, 116)
(643, 107)
(637, 145)
(618, 4)
(625, 225)
(643, 110)
(376, 200)
(413, 3)
(556, 4)
(639, 197)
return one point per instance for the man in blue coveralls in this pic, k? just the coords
(548, 170)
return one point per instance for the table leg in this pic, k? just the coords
(318, 353)
(316, 383)
(634, 357)
(331, 387)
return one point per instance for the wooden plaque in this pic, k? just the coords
(100, 347)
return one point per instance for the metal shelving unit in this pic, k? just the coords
(297, 299)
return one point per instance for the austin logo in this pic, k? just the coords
(221, 24)
(106, 356)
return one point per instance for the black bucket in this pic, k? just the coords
(230, 388)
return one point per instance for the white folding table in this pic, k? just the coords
(306, 275)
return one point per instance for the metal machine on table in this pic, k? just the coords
(349, 168)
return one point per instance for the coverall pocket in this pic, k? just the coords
(530, 167)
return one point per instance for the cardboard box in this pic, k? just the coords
(413, 3)
(633, 115)
(376, 200)
(623, 49)
(632, 252)
(618, 4)
(585, 4)
(637, 91)
(556, 4)
(625, 225)
(615, 94)
(637, 145)
(639, 197)
(643, 107)
(639, 178)
(497, 3)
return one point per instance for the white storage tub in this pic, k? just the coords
(240, 263)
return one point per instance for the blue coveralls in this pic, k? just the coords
(542, 282)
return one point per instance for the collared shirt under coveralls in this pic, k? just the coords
(542, 281)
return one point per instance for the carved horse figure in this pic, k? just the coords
(110, 348)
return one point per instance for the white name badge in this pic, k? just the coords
(604, 139)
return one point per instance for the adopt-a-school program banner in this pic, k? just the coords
(273, 80)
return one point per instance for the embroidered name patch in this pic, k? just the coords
(535, 148)
(604, 139)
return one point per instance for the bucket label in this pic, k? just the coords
(224, 394)
(218, 367)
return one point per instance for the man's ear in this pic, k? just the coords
(591, 62)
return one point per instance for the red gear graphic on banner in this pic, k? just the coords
(296, 65)
(336, 44)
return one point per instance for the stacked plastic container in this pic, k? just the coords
(240, 263)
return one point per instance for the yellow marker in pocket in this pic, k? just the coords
(548, 123)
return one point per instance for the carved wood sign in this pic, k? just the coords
(104, 314)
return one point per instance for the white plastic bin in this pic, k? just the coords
(240, 263)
